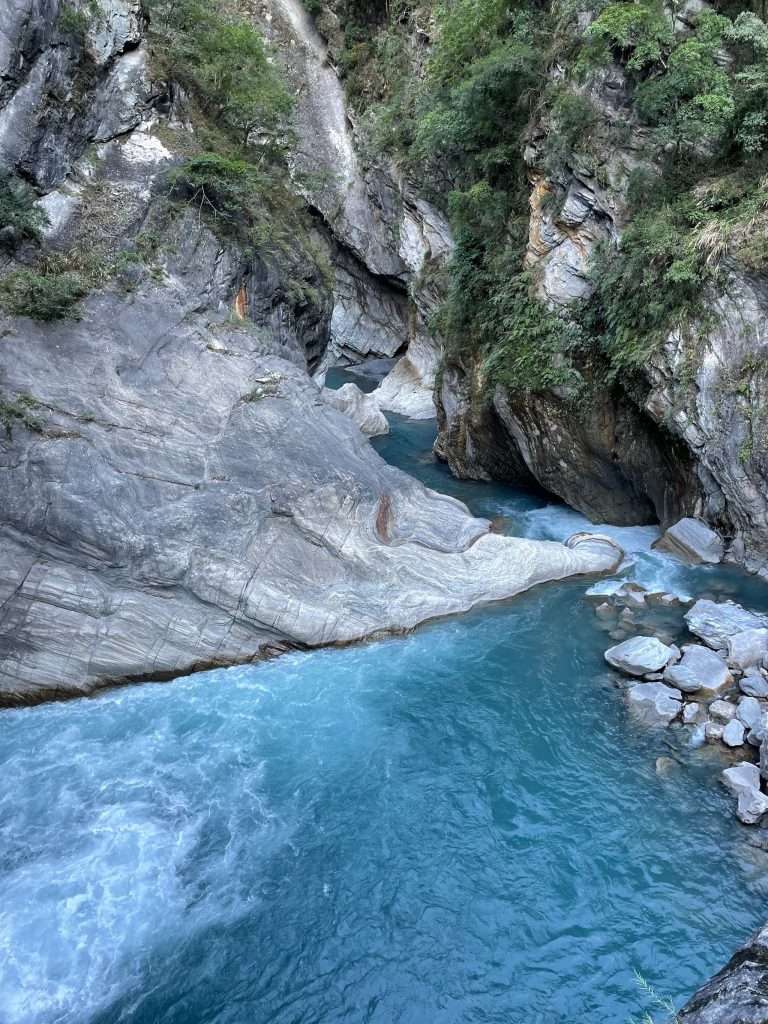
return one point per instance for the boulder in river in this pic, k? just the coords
(363, 409)
(743, 780)
(599, 546)
(715, 623)
(749, 711)
(751, 807)
(699, 669)
(748, 648)
(754, 684)
(713, 731)
(737, 994)
(692, 541)
(734, 733)
(691, 712)
(722, 710)
(639, 655)
(654, 703)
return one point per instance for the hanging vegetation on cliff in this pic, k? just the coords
(496, 71)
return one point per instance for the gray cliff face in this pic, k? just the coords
(375, 217)
(607, 460)
(59, 92)
(687, 438)
(176, 491)
(739, 993)
(708, 386)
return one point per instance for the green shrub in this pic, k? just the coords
(530, 347)
(641, 33)
(72, 20)
(215, 183)
(18, 211)
(651, 283)
(223, 61)
(75, 17)
(693, 102)
(19, 410)
(41, 296)
(572, 120)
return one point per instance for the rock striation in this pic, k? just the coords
(176, 491)
(738, 994)
(681, 440)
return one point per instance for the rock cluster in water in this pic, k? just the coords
(717, 684)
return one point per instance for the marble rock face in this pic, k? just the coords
(692, 541)
(639, 655)
(182, 506)
(176, 492)
(718, 622)
(699, 669)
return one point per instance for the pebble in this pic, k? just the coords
(733, 733)
(722, 710)
(690, 712)
(754, 684)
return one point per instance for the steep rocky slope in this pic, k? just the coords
(386, 234)
(739, 993)
(175, 490)
(682, 434)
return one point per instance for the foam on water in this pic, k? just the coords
(653, 569)
(459, 825)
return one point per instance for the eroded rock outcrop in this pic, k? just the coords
(176, 492)
(682, 437)
(374, 214)
(739, 993)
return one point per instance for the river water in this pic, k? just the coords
(460, 825)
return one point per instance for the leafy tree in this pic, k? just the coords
(692, 101)
(640, 32)
(223, 61)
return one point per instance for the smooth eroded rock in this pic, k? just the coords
(713, 731)
(722, 710)
(692, 541)
(754, 684)
(748, 648)
(699, 669)
(639, 655)
(654, 703)
(734, 733)
(362, 409)
(691, 712)
(715, 623)
(749, 711)
(741, 776)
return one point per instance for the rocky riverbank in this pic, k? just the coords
(697, 670)
(715, 685)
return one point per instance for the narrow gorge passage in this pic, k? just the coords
(462, 824)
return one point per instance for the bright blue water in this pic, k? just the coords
(462, 825)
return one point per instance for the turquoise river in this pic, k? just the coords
(459, 825)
